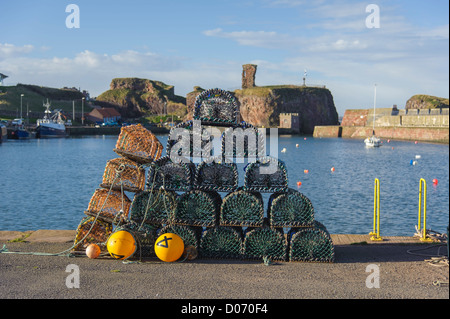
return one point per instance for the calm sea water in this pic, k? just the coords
(48, 183)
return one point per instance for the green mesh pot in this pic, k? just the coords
(267, 175)
(221, 243)
(171, 176)
(198, 208)
(153, 207)
(311, 244)
(242, 208)
(265, 243)
(189, 234)
(145, 236)
(291, 209)
(216, 176)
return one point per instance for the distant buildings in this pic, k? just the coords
(104, 115)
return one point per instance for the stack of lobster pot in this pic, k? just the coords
(195, 193)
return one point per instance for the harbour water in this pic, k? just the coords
(48, 183)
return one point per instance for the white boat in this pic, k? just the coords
(50, 125)
(373, 141)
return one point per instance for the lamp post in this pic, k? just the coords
(82, 111)
(21, 95)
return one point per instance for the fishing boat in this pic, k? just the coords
(373, 141)
(51, 125)
(17, 131)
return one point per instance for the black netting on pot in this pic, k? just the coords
(242, 141)
(198, 208)
(290, 209)
(216, 107)
(267, 174)
(265, 243)
(242, 208)
(221, 243)
(189, 139)
(216, 176)
(170, 175)
(153, 207)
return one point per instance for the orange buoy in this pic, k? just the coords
(306, 171)
(435, 181)
(169, 247)
(415, 142)
(299, 184)
(332, 169)
(93, 251)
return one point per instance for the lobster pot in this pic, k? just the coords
(153, 207)
(172, 176)
(123, 173)
(267, 175)
(145, 237)
(110, 206)
(242, 208)
(187, 140)
(221, 242)
(189, 234)
(216, 107)
(265, 242)
(311, 244)
(216, 176)
(92, 231)
(138, 144)
(198, 208)
(242, 141)
(291, 209)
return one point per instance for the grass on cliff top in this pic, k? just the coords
(431, 101)
(265, 91)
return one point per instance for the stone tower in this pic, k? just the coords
(248, 75)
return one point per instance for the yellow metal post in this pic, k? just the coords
(376, 211)
(423, 193)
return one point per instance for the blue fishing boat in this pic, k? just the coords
(51, 125)
(17, 131)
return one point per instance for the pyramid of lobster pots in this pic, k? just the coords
(196, 192)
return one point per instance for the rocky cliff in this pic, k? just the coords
(134, 97)
(261, 106)
(421, 101)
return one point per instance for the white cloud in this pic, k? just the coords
(9, 50)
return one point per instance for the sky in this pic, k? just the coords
(348, 46)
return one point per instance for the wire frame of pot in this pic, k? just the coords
(122, 173)
(242, 208)
(243, 141)
(198, 208)
(111, 206)
(171, 175)
(187, 141)
(268, 175)
(290, 209)
(311, 244)
(265, 243)
(221, 243)
(216, 175)
(153, 207)
(216, 107)
(92, 231)
(137, 143)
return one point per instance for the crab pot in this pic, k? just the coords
(189, 234)
(109, 206)
(242, 208)
(216, 107)
(153, 207)
(188, 141)
(267, 175)
(290, 209)
(92, 231)
(198, 208)
(311, 244)
(216, 176)
(265, 242)
(145, 236)
(170, 176)
(242, 141)
(221, 243)
(122, 173)
(138, 144)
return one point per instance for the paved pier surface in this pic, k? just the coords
(403, 265)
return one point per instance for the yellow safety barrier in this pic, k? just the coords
(376, 211)
(423, 187)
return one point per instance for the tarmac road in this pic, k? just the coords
(403, 274)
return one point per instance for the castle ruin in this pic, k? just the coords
(248, 75)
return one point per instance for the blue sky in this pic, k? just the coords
(205, 43)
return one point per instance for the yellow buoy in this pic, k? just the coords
(121, 245)
(169, 247)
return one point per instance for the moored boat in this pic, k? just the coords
(51, 125)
